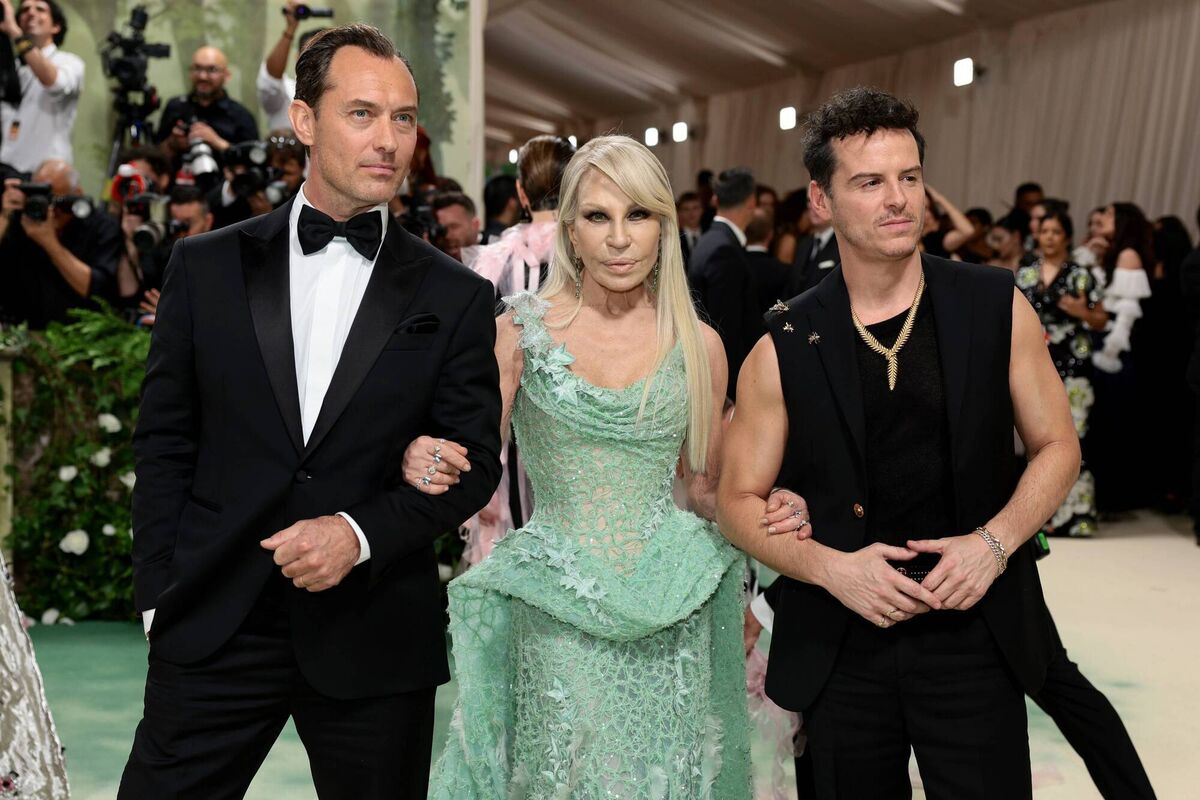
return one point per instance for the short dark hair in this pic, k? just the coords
(1055, 204)
(498, 190)
(182, 195)
(862, 109)
(1058, 213)
(1016, 221)
(687, 197)
(1026, 188)
(980, 215)
(704, 177)
(151, 155)
(734, 186)
(447, 199)
(312, 67)
(306, 37)
(540, 167)
(760, 226)
(57, 17)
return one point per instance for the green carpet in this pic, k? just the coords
(95, 673)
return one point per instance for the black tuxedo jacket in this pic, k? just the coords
(824, 462)
(221, 465)
(770, 277)
(726, 295)
(806, 269)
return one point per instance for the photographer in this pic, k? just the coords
(51, 80)
(288, 160)
(148, 244)
(275, 88)
(55, 262)
(207, 114)
(456, 215)
(243, 193)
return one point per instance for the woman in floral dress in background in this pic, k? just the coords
(1069, 302)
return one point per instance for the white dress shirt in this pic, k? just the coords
(820, 239)
(40, 128)
(274, 97)
(326, 289)
(738, 232)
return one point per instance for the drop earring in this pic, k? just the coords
(578, 262)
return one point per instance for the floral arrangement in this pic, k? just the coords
(76, 391)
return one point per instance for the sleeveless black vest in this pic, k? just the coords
(825, 461)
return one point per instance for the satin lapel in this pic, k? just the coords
(830, 320)
(394, 281)
(952, 311)
(266, 274)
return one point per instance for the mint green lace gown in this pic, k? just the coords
(598, 650)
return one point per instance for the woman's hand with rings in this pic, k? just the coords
(786, 512)
(434, 465)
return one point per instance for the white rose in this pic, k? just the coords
(109, 530)
(129, 479)
(50, 616)
(102, 457)
(67, 474)
(75, 542)
(108, 423)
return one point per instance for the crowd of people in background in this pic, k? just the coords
(1118, 298)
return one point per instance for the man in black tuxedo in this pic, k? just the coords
(719, 273)
(282, 565)
(816, 256)
(689, 212)
(913, 616)
(770, 274)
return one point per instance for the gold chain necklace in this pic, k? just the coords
(890, 353)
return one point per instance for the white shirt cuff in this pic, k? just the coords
(147, 621)
(763, 612)
(364, 549)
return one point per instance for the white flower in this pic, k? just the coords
(102, 457)
(67, 474)
(50, 616)
(445, 573)
(109, 530)
(129, 479)
(108, 423)
(66, 621)
(75, 542)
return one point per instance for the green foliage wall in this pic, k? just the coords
(433, 34)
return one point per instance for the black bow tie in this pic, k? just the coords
(363, 231)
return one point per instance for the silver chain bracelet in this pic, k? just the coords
(997, 550)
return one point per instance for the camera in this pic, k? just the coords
(251, 172)
(419, 218)
(303, 12)
(158, 226)
(39, 199)
(125, 58)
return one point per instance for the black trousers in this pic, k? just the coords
(208, 726)
(937, 685)
(1093, 728)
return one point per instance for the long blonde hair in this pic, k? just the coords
(637, 173)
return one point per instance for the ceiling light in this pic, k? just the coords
(964, 72)
(512, 156)
(574, 142)
(787, 118)
(679, 131)
(651, 137)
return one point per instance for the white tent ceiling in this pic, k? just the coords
(552, 66)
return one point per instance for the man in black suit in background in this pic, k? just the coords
(281, 564)
(719, 272)
(816, 256)
(770, 274)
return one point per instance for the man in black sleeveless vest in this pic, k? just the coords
(886, 396)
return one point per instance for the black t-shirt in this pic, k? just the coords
(33, 290)
(229, 118)
(909, 476)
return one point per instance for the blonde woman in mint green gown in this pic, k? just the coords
(598, 649)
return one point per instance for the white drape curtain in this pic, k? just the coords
(1098, 103)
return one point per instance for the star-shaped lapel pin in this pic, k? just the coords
(814, 338)
(787, 328)
(780, 307)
